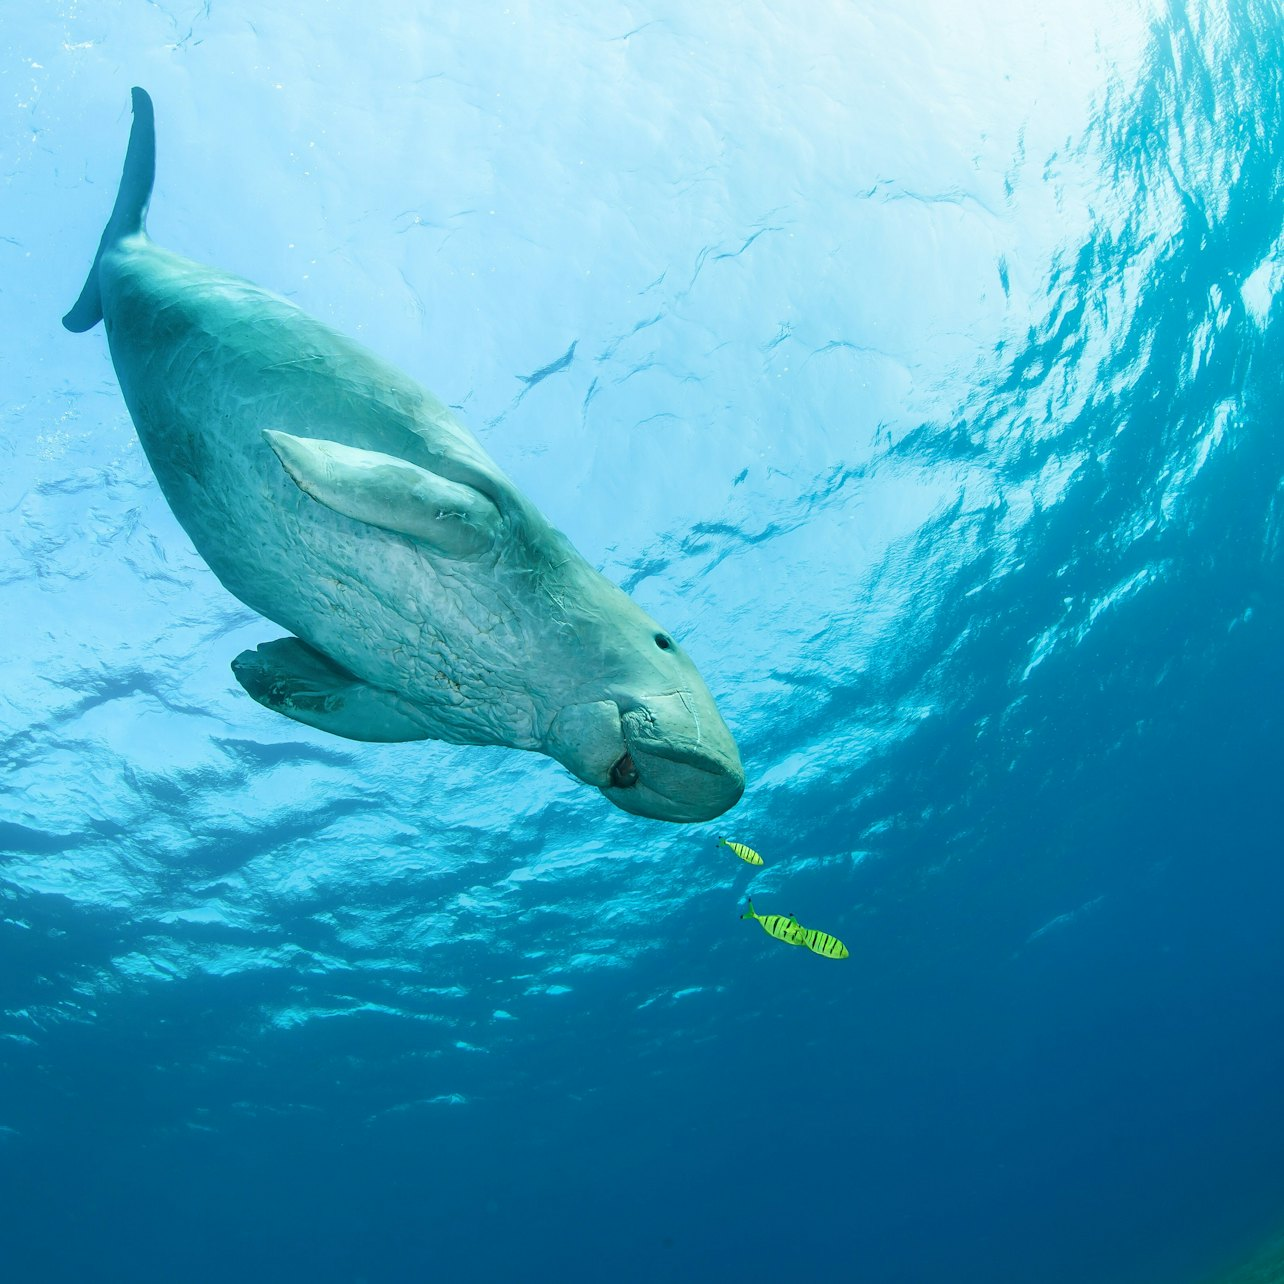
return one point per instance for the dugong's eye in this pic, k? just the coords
(662, 642)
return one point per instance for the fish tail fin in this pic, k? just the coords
(750, 912)
(128, 216)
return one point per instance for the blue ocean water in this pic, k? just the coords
(921, 370)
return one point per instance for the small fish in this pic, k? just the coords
(819, 942)
(784, 927)
(746, 854)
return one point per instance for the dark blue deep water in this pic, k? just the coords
(920, 367)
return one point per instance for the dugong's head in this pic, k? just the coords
(646, 733)
(634, 717)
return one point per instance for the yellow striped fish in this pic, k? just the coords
(784, 927)
(819, 942)
(746, 854)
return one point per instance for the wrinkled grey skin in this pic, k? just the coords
(428, 598)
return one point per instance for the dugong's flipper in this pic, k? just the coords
(290, 677)
(387, 492)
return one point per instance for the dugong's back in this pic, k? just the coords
(208, 361)
(427, 597)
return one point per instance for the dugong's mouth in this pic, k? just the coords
(671, 772)
(624, 773)
(654, 759)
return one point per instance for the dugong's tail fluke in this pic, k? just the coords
(130, 210)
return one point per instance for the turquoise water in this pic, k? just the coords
(922, 374)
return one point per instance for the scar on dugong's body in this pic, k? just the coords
(428, 598)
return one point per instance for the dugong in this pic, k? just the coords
(427, 597)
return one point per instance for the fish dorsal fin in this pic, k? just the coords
(384, 491)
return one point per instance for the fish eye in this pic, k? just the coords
(662, 642)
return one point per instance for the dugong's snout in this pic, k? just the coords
(669, 757)
(683, 767)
